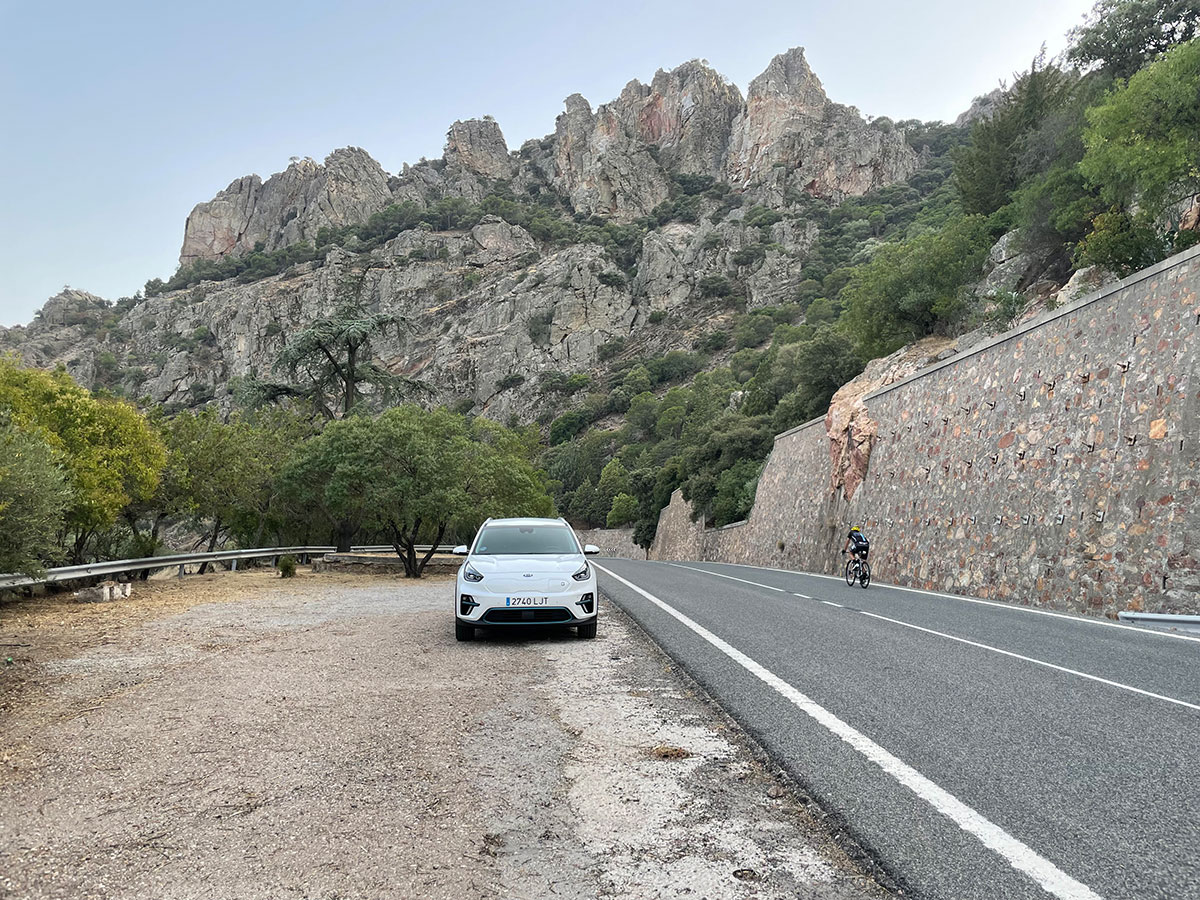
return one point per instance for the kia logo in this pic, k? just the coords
(528, 575)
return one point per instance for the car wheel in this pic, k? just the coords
(587, 630)
(464, 632)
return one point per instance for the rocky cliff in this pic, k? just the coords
(491, 308)
(288, 207)
(615, 161)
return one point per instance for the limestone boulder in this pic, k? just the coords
(1083, 282)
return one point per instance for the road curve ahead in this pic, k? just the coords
(976, 750)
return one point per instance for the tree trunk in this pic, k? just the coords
(348, 400)
(81, 540)
(262, 527)
(432, 548)
(410, 552)
(212, 543)
(345, 536)
(404, 544)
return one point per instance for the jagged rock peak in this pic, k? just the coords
(289, 206)
(791, 137)
(789, 75)
(689, 113)
(478, 146)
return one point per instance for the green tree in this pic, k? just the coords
(111, 455)
(34, 495)
(820, 312)
(1122, 243)
(735, 492)
(614, 479)
(415, 476)
(333, 474)
(437, 473)
(624, 511)
(821, 366)
(987, 169)
(914, 288)
(1121, 36)
(330, 361)
(1143, 141)
(201, 477)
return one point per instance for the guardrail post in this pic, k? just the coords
(182, 566)
(233, 565)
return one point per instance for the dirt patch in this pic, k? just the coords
(664, 752)
(242, 736)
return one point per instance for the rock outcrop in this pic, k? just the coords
(982, 107)
(289, 207)
(601, 168)
(852, 432)
(785, 138)
(791, 134)
(688, 113)
(477, 145)
(491, 309)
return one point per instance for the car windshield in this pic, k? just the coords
(509, 540)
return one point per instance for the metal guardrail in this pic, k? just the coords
(118, 566)
(1173, 621)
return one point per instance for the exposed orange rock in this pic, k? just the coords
(852, 433)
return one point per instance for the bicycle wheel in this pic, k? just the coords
(851, 574)
(864, 577)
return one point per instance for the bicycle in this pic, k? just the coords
(858, 570)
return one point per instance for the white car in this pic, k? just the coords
(525, 572)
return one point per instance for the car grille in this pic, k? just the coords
(507, 616)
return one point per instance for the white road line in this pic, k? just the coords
(1020, 856)
(730, 577)
(1097, 678)
(1038, 662)
(1013, 607)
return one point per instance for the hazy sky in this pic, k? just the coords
(119, 117)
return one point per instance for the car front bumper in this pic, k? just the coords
(479, 607)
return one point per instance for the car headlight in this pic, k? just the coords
(471, 574)
(583, 574)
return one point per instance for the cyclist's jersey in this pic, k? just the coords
(859, 541)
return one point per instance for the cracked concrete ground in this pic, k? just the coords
(240, 736)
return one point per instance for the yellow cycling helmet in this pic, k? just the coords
(856, 528)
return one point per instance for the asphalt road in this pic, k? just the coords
(975, 750)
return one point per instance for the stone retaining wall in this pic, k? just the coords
(1055, 465)
(613, 542)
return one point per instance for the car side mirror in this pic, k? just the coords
(591, 549)
(461, 550)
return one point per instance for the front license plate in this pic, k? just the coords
(526, 601)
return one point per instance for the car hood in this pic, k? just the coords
(534, 564)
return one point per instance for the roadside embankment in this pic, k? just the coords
(1055, 464)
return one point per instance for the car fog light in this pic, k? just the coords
(587, 602)
(466, 603)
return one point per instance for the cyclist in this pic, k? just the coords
(857, 544)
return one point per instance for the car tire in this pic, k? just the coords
(464, 632)
(587, 630)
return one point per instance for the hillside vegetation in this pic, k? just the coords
(1088, 166)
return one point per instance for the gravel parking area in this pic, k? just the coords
(241, 736)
